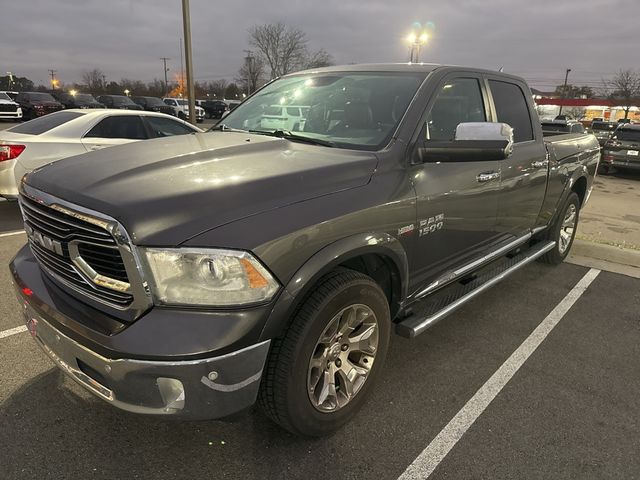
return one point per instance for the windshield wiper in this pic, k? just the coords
(286, 134)
(221, 127)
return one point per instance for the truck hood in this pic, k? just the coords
(166, 191)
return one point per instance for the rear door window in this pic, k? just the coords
(119, 126)
(165, 127)
(511, 107)
(44, 124)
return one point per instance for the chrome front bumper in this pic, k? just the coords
(199, 389)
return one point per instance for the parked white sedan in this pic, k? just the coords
(71, 132)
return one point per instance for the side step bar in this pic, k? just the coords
(429, 312)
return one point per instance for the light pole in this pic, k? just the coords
(564, 89)
(166, 82)
(186, 23)
(249, 62)
(416, 42)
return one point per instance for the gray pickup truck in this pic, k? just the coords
(194, 276)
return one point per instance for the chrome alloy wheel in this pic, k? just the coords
(567, 228)
(343, 358)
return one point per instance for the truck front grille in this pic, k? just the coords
(4, 107)
(50, 234)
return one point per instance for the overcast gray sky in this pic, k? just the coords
(537, 39)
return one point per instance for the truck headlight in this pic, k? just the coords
(211, 277)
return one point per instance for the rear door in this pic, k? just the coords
(456, 206)
(115, 130)
(523, 179)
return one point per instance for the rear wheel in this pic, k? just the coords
(563, 230)
(320, 372)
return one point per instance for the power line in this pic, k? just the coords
(53, 78)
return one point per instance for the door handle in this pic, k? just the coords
(540, 163)
(487, 176)
(96, 147)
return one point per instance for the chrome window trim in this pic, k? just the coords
(138, 285)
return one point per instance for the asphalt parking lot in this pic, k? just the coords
(570, 411)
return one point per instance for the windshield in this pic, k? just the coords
(4, 96)
(122, 100)
(603, 126)
(182, 102)
(153, 101)
(349, 109)
(41, 97)
(84, 98)
(627, 135)
(46, 123)
(555, 127)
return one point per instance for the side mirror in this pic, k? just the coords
(474, 142)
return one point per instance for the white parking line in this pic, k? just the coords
(13, 331)
(9, 234)
(424, 465)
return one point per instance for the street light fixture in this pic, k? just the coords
(416, 42)
(126, 92)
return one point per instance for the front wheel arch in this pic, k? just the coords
(348, 252)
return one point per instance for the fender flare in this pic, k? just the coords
(326, 260)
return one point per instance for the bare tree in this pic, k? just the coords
(318, 59)
(251, 75)
(625, 86)
(285, 49)
(94, 79)
(217, 88)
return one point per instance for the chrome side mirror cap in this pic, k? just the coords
(500, 133)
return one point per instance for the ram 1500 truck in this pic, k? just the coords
(196, 275)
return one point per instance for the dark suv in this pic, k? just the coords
(37, 104)
(118, 101)
(622, 150)
(214, 108)
(77, 100)
(603, 130)
(153, 104)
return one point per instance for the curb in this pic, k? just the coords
(605, 257)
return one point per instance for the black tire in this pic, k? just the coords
(604, 169)
(181, 116)
(558, 253)
(284, 396)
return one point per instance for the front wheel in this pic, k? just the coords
(563, 230)
(321, 370)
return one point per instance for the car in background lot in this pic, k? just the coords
(72, 132)
(77, 100)
(232, 103)
(37, 104)
(285, 117)
(214, 108)
(622, 150)
(602, 130)
(560, 127)
(153, 104)
(181, 108)
(121, 102)
(9, 110)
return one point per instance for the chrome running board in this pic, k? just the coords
(460, 272)
(429, 311)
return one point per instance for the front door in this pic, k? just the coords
(457, 202)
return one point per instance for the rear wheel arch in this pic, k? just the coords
(379, 256)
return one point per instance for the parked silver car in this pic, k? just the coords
(72, 132)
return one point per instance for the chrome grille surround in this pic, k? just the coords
(127, 298)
